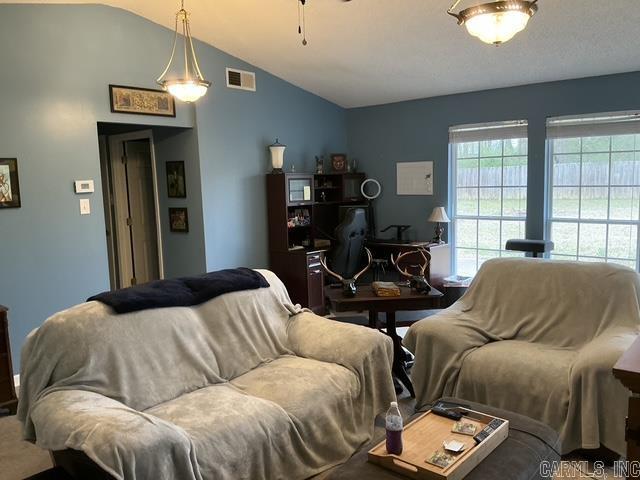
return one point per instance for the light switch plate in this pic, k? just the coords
(85, 206)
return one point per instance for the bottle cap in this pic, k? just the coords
(394, 404)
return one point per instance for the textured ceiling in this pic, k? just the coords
(367, 52)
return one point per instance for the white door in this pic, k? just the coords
(142, 211)
(136, 216)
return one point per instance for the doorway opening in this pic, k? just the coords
(131, 204)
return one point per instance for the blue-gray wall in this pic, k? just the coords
(57, 62)
(234, 129)
(381, 136)
(183, 253)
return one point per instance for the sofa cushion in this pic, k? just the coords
(495, 375)
(298, 384)
(228, 427)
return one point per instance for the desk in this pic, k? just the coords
(365, 299)
(398, 246)
(440, 266)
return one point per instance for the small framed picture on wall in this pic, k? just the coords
(178, 220)
(176, 182)
(9, 184)
(339, 162)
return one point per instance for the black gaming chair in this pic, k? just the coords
(349, 238)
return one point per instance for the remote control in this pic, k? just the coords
(451, 412)
(488, 430)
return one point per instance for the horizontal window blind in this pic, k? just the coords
(489, 201)
(488, 131)
(623, 123)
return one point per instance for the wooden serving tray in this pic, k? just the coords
(424, 435)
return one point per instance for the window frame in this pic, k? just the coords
(549, 187)
(453, 199)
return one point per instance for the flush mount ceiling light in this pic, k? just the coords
(192, 85)
(496, 22)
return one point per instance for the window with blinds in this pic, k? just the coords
(489, 190)
(594, 187)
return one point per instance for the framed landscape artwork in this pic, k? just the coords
(178, 220)
(9, 184)
(141, 101)
(176, 184)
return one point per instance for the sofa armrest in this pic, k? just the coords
(331, 341)
(364, 351)
(122, 441)
(598, 399)
(603, 351)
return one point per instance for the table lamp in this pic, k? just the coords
(277, 156)
(438, 216)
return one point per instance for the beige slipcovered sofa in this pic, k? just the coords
(243, 386)
(539, 338)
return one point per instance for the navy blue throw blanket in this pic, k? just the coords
(181, 292)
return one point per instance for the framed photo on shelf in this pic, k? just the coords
(9, 183)
(339, 162)
(141, 101)
(176, 184)
(178, 220)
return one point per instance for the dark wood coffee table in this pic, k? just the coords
(365, 299)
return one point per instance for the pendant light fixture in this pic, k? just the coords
(192, 85)
(496, 22)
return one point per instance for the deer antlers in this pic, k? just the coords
(357, 275)
(369, 262)
(423, 267)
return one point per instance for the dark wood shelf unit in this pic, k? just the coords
(291, 193)
(8, 398)
(338, 187)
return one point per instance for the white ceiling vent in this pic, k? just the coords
(241, 79)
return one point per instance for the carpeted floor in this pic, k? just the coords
(19, 459)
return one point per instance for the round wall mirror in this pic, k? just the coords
(371, 189)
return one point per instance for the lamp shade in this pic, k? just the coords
(277, 155)
(439, 215)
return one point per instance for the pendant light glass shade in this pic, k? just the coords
(496, 22)
(191, 85)
(187, 91)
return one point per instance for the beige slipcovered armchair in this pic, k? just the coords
(539, 338)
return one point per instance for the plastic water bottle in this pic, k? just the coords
(393, 424)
